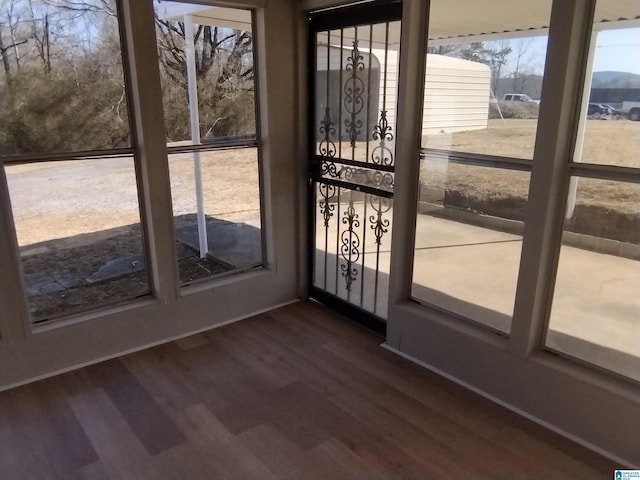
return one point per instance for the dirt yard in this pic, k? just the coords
(68, 229)
(61, 200)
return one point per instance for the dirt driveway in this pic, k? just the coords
(59, 200)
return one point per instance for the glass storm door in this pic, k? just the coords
(353, 84)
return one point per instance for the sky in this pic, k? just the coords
(618, 50)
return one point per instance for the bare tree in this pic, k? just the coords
(41, 35)
(522, 50)
(495, 58)
(233, 68)
(448, 50)
(96, 6)
(4, 52)
(209, 43)
(13, 20)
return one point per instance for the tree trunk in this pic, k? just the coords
(47, 46)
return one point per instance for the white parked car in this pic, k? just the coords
(632, 109)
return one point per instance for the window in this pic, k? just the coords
(231, 203)
(481, 103)
(608, 137)
(66, 149)
(208, 93)
(596, 305)
(62, 82)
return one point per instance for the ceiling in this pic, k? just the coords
(451, 21)
(492, 19)
(205, 15)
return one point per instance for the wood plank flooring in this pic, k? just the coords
(295, 393)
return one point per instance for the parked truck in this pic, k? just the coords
(632, 109)
(518, 97)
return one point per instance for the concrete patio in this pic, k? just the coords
(473, 271)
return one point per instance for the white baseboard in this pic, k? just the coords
(594, 448)
(143, 347)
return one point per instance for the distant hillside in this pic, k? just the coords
(615, 80)
(606, 87)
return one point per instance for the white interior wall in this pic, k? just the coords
(29, 352)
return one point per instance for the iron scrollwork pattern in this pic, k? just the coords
(350, 249)
(353, 175)
(379, 225)
(327, 147)
(358, 175)
(329, 168)
(383, 180)
(367, 177)
(327, 192)
(353, 93)
(381, 153)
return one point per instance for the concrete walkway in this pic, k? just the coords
(473, 271)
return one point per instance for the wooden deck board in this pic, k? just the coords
(295, 393)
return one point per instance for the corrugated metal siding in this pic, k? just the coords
(449, 19)
(463, 18)
(470, 18)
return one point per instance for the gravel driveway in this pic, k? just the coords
(58, 200)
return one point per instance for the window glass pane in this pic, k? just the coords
(483, 97)
(78, 251)
(231, 223)
(208, 94)
(596, 306)
(355, 92)
(468, 239)
(355, 97)
(61, 81)
(612, 117)
(215, 67)
(481, 101)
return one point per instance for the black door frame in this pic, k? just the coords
(336, 18)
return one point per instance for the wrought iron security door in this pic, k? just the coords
(353, 79)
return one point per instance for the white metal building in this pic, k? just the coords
(456, 95)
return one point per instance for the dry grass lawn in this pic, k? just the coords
(609, 142)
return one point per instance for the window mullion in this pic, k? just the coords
(14, 306)
(569, 31)
(150, 143)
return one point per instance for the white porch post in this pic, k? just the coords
(582, 124)
(195, 131)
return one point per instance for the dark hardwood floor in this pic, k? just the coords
(294, 393)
